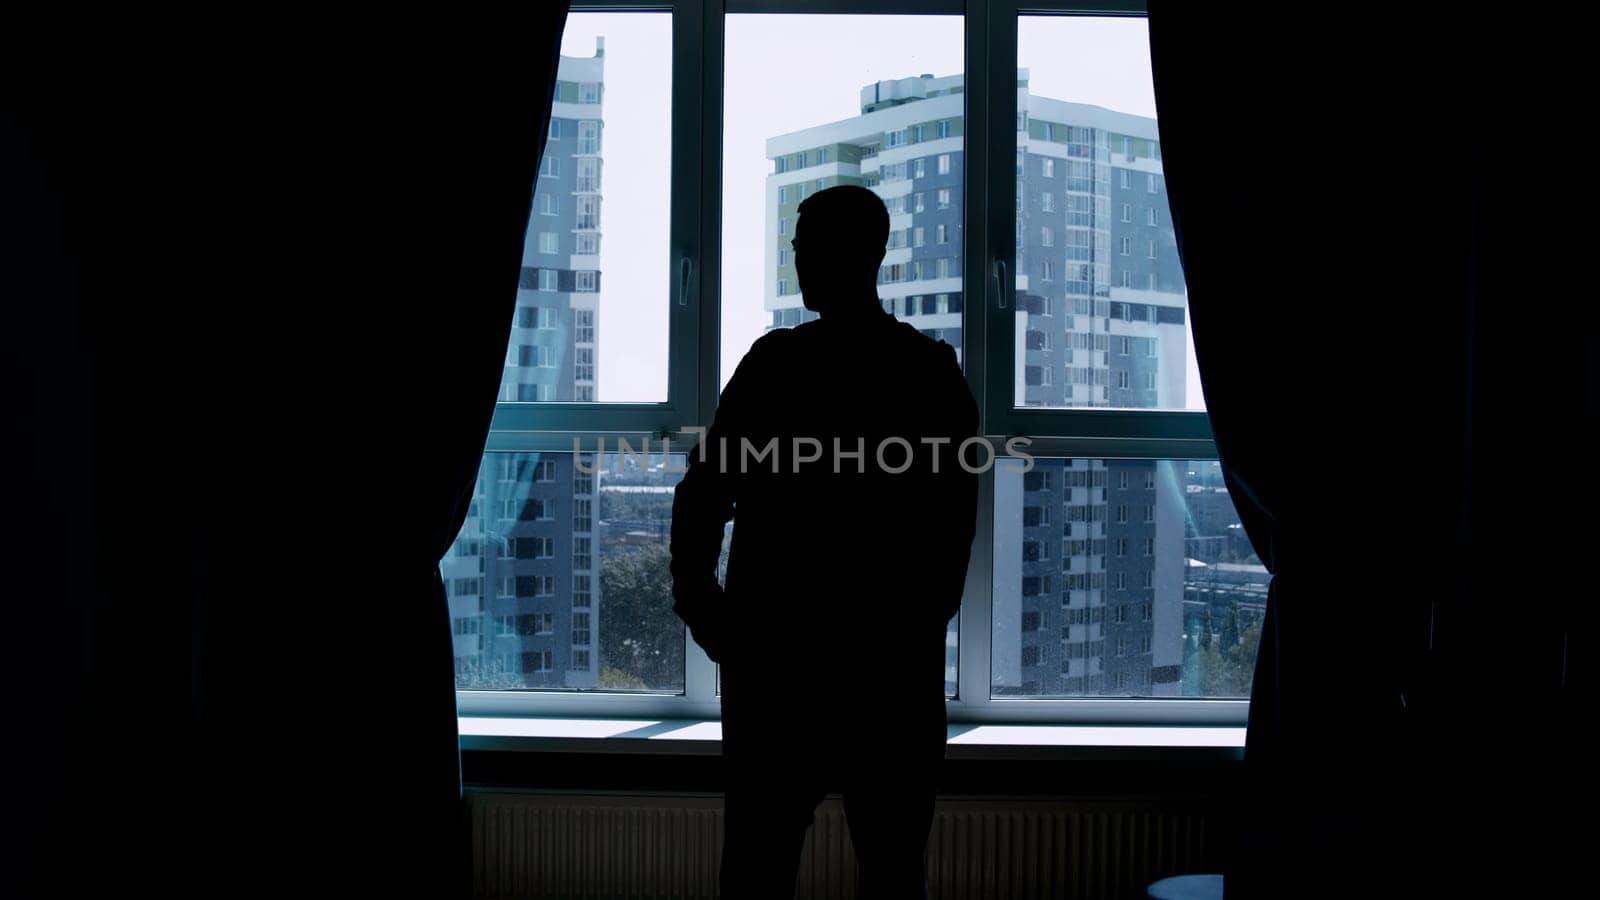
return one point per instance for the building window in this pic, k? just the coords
(549, 242)
(783, 194)
(917, 236)
(551, 168)
(549, 204)
(1124, 178)
(588, 137)
(1047, 167)
(588, 212)
(944, 198)
(1127, 211)
(1151, 253)
(1150, 182)
(548, 280)
(555, 129)
(1150, 216)
(918, 205)
(585, 281)
(583, 332)
(783, 225)
(944, 128)
(919, 168)
(588, 244)
(944, 164)
(1047, 237)
(1047, 202)
(941, 234)
(1150, 278)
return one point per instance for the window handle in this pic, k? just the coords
(1001, 283)
(685, 267)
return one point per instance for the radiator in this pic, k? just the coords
(605, 846)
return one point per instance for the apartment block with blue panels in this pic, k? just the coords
(523, 574)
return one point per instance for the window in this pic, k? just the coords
(588, 136)
(552, 571)
(1151, 253)
(555, 129)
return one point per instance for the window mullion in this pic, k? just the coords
(710, 24)
(999, 263)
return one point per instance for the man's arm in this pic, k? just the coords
(952, 558)
(702, 504)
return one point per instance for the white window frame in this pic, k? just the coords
(990, 120)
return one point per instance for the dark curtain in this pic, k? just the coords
(1345, 216)
(361, 186)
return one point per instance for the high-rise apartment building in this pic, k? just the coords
(523, 575)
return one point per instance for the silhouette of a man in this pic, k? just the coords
(835, 450)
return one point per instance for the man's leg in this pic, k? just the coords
(771, 792)
(888, 804)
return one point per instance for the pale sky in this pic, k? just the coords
(782, 73)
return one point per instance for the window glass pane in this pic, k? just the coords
(1116, 577)
(559, 578)
(594, 262)
(827, 100)
(1106, 287)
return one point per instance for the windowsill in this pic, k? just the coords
(703, 737)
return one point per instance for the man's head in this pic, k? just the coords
(838, 244)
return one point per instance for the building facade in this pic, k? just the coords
(523, 575)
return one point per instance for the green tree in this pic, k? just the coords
(618, 680)
(1227, 671)
(641, 638)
